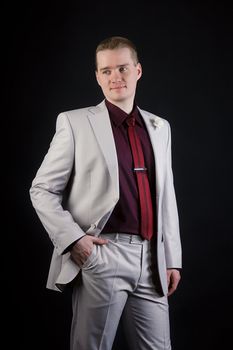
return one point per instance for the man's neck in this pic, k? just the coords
(126, 106)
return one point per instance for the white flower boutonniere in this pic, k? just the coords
(156, 122)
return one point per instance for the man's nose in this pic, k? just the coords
(116, 76)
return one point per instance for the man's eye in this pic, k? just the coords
(123, 69)
(106, 72)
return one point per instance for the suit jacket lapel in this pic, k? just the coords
(100, 121)
(153, 128)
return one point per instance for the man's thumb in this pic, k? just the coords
(100, 241)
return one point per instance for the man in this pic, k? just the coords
(105, 195)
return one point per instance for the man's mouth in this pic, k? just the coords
(117, 87)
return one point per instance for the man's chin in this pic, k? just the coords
(119, 97)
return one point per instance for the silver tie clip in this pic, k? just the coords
(140, 169)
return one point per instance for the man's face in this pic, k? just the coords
(117, 74)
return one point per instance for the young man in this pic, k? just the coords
(115, 231)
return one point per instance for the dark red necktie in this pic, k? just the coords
(142, 181)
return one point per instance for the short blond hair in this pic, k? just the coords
(117, 42)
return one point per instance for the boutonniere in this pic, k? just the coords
(156, 122)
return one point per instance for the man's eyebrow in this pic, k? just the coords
(118, 66)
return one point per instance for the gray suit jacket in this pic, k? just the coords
(77, 186)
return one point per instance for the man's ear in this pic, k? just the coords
(139, 69)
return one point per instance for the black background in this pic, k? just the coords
(186, 52)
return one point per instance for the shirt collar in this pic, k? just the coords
(118, 116)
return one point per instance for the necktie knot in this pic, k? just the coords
(130, 120)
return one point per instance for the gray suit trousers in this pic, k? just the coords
(118, 280)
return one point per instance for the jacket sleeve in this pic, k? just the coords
(47, 188)
(171, 232)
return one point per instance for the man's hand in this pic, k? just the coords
(83, 248)
(173, 279)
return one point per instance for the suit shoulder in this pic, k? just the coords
(155, 119)
(75, 116)
(74, 113)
